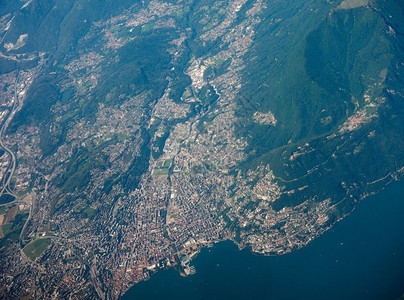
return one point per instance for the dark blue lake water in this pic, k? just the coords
(362, 257)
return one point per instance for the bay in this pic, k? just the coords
(361, 257)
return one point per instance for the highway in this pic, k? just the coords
(5, 188)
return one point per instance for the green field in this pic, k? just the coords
(2, 210)
(162, 167)
(34, 249)
(159, 172)
(89, 212)
(6, 228)
(167, 163)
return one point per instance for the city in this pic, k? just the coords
(146, 178)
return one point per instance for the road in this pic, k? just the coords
(11, 167)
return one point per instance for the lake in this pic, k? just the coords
(361, 257)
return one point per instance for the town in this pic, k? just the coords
(115, 186)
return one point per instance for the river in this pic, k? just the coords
(361, 257)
